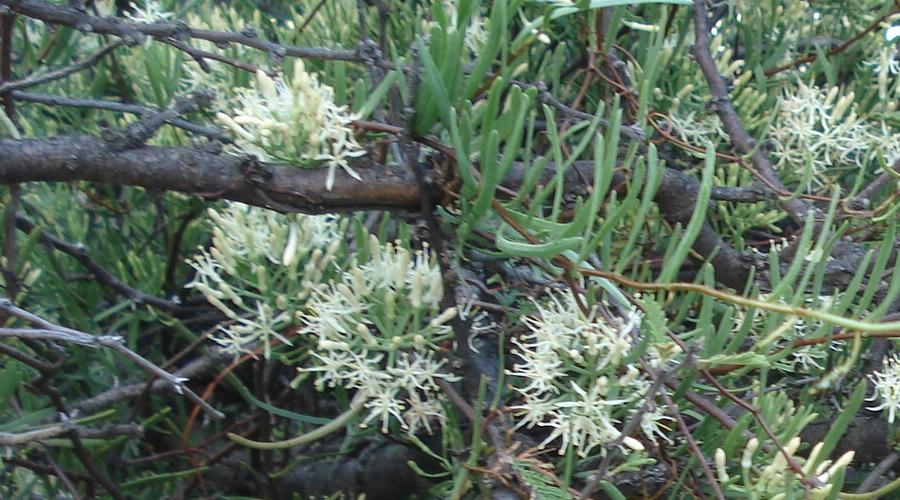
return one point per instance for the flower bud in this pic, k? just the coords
(444, 317)
(749, 450)
(720, 465)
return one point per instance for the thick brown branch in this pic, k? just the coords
(287, 188)
(203, 173)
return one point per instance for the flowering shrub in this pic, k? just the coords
(643, 248)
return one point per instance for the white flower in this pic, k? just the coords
(814, 127)
(535, 410)
(887, 386)
(585, 421)
(561, 327)
(396, 268)
(422, 412)
(294, 122)
(705, 130)
(476, 34)
(373, 327)
(345, 368)
(541, 367)
(887, 62)
(381, 321)
(651, 424)
(417, 371)
(254, 233)
(569, 366)
(239, 337)
(384, 404)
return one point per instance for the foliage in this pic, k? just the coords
(557, 330)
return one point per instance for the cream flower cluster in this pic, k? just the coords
(374, 326)
(567, 367)
(295, 122)
(887, 386)
(378, 327)
(261, 266)
(817, 127)
(886, 65)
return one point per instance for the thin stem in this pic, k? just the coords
(338, 423)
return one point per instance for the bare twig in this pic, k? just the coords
(835, 50)
(98, 273)
(633, 423)
(121, 107)
(133, 32)
(310, 16)
(61, 474)
(49, 331)
(7, 23)
(196, 367)
(632, 132)
(139, 132)
(10, 249)
(208, 174)
(870, 192)
(57, 74)
(47, 469)
(77, 445)
(751, 194)
(692, 444)
(53, 431)
(874, 476)
(27, 359)
(795, 467)
(200, 56)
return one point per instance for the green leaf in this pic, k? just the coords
(435, 83)
(161, 478)
(10, 378)
(378, 94)
(698, 219)
(541, 250)
(748, 358)
(489, 175)
(541, 486)
(496, 33)
(298, 417)
(564, 8)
